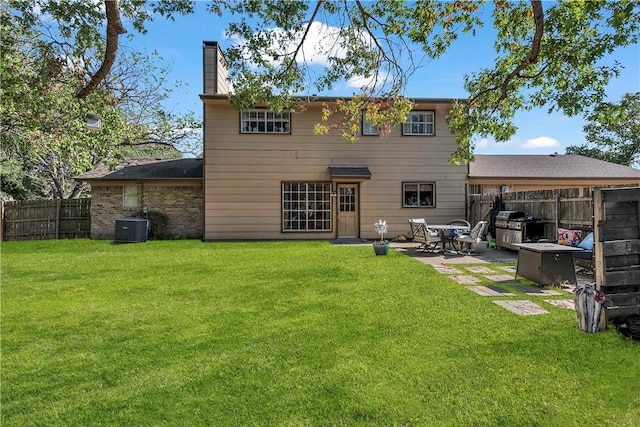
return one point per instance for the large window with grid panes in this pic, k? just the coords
(418, 194)
(264, 121)
(306, 206)
(420, 123)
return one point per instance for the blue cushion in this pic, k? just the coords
(587, 242)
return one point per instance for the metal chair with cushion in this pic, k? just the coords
(450, 235)
(466, 242)
(429, 240)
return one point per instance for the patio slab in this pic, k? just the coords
(501, 278)
(446, 269)
(490, 291)
(466, 280)
(481, 270)
(522, 307)
(562, 303)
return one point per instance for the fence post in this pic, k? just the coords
(1, 220)
(58, 215)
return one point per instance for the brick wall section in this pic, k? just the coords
(182, 203)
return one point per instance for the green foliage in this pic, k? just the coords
(17, 184)
(379, 112)
(44, 123)
(549, 55)
(613, 132)
(272, 333)
(158, 224)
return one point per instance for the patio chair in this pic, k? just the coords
(429, 240)
(466, 242)
(450, 235)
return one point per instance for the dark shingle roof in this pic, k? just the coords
(569, 166)
(349, 172)
(147, 169)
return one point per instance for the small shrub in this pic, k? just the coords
(158, 229)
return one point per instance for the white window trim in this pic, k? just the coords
(428, 121)
(262, 118)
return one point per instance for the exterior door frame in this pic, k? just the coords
(353, 230)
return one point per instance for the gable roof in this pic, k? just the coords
(137, 169)
(555, 166)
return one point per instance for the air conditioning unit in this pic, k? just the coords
(131, 230)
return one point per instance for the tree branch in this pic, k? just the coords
(114, 29)
(304, 36)
(532, 58)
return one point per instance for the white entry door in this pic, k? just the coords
(347, 210)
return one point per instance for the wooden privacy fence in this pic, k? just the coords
(46, 219)
(563, 208)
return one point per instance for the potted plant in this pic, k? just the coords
(381, 247)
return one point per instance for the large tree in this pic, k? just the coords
(547, 54)
(613, 132)
(44, 140)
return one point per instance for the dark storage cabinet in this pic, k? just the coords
(546, 264)
(131, 230)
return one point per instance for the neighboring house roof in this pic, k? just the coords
(555, 166)
(137, 169)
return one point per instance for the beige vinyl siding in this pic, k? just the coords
(215, 70)
(244, 173)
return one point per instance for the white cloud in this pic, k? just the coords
(371, 81)
(483, 143)
(541, 142)
(321, 42)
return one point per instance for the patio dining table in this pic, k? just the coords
(444, 229)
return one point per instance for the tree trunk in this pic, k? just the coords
(114, 29)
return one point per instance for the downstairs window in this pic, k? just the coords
(306, 206)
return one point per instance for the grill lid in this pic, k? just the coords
(510, 215)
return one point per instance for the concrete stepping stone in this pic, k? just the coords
(466, 280)
(480, 270)
(508, 269)
(522, 307)
(535, 291)
(501, 278)
(490, 291)
(445, 269)
(562, 303)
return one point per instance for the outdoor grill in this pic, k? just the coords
(516, 227)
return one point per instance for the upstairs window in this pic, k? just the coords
(368, 128)
(265, 121)
(419, 123)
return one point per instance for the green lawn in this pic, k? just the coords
(227, 334)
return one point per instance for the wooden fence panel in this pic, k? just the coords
(565, 208)
(46, 219)
(617, 249)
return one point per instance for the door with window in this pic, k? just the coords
(348, 210)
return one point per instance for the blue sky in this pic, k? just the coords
(180, 44)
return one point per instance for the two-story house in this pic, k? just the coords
(267, 176)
